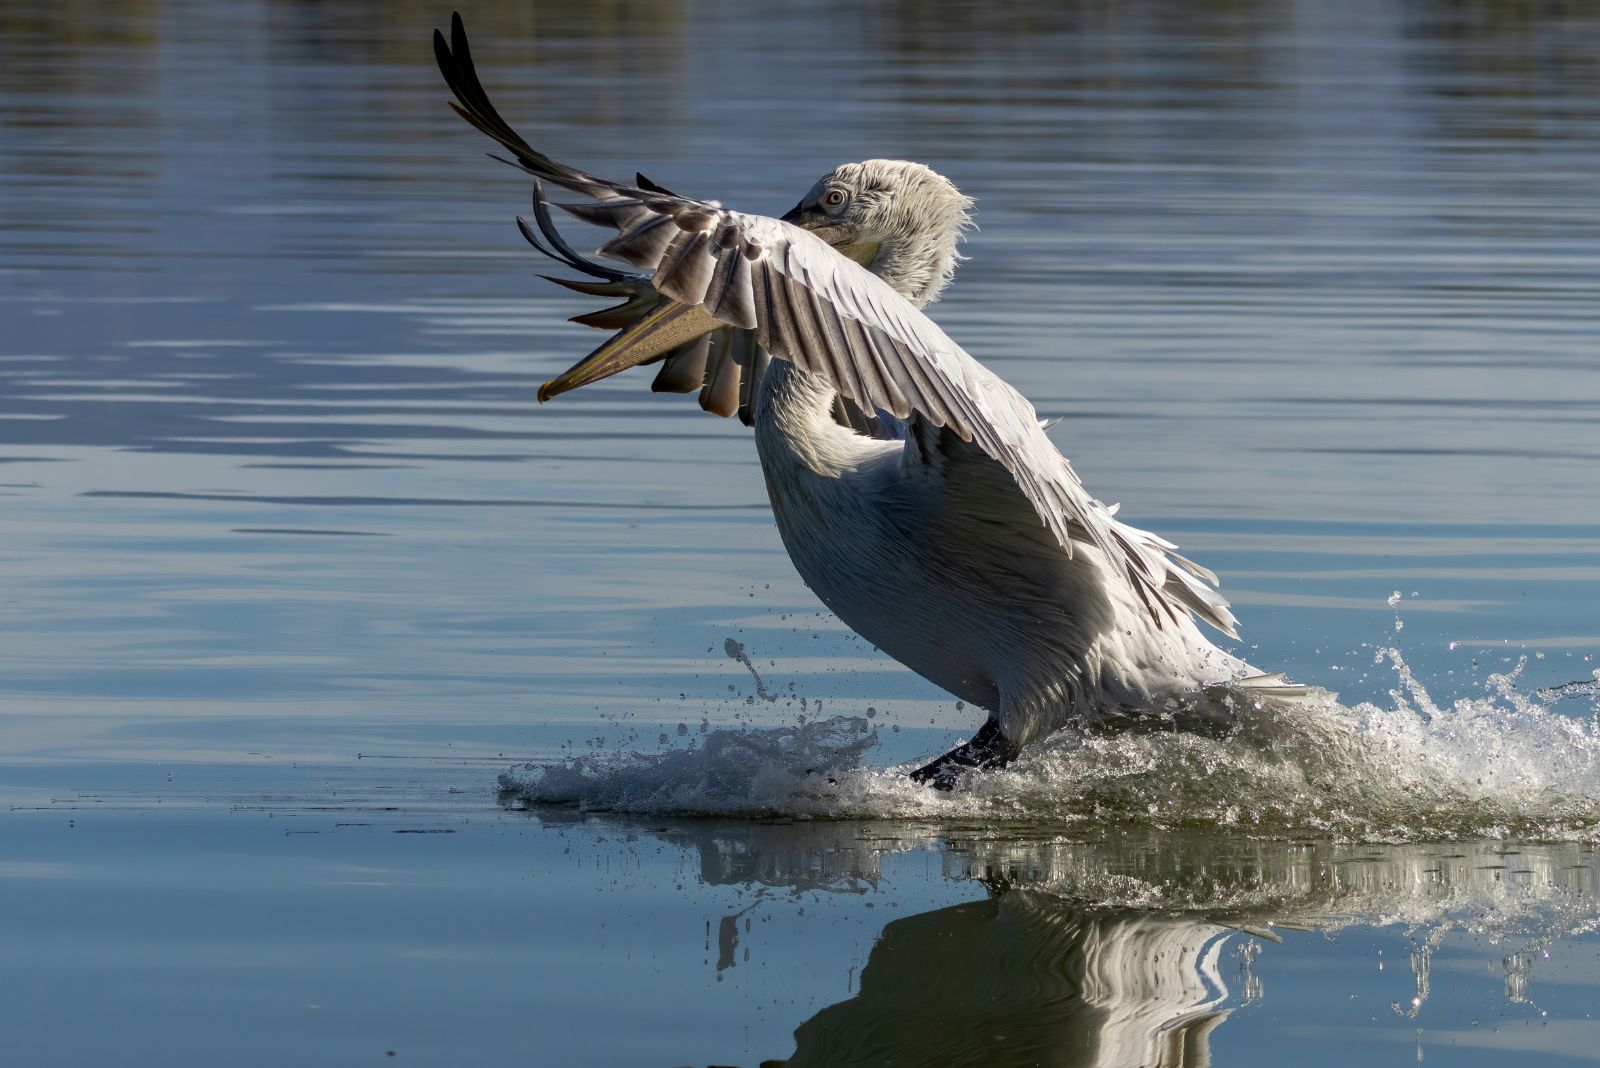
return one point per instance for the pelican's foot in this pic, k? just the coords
(987, 749)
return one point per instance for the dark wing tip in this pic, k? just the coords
(531, 238)
(651, 187)
(472, 103)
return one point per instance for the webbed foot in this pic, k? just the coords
(987, 749)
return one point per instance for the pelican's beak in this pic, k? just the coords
(661, 330)
(844, 238)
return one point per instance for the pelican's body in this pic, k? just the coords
(926, 548)
(916, 492)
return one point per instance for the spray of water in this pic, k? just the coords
(1501, 764)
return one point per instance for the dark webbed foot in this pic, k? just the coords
(987, 749)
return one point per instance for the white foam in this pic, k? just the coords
(1501, 764)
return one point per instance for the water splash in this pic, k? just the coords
(1501, 764)
(736, 651)
(775, 771)
(1581, 688)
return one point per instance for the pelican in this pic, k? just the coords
(916, 492)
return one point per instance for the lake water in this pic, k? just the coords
(293, 568)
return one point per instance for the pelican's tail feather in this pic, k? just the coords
(1275, 685)
(1182, 580)
(1203, 600)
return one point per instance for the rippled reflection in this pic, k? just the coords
(1129, 950)
(1019, 979)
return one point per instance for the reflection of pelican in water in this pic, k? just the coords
(1116, 953)
(1020, 979)
(917, 493)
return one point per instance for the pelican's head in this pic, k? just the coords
(900, 219)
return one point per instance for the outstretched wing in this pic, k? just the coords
(830, 317)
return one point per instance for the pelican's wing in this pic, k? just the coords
(830, 317)
(963, 470)
(724, 365)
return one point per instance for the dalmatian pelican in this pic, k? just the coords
(916, 492)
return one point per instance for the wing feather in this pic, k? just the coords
(825, 339)
(891, 376)
(721, 393)
(643, 245)
(775, 328)
(685, 371)
(685, 270)
(731, 296)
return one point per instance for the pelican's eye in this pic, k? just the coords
(834, 198)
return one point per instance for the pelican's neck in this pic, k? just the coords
(916, 268)
(794, 423)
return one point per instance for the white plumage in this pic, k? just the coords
(917, 493)
(926, 548)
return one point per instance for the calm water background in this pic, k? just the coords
(286, 544)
